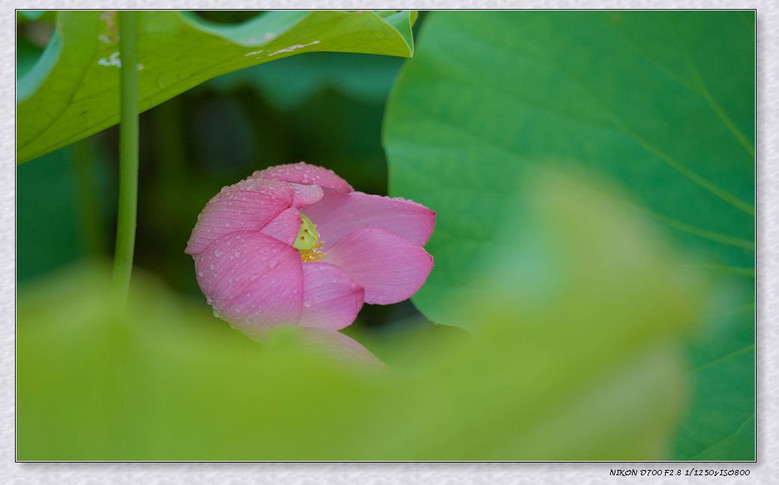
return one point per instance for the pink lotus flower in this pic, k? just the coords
(295, 244)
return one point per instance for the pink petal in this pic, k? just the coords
(336, 215)
(249, 204)
(306, 194)
(284, 227)
(389, 267)
(252, 280)
(303, 173)
(341, 348)
(331, 299)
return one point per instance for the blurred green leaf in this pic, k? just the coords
(51, 230)
(27, 55)
(167, 381)
(47, 232)
(291, 82)
(661, 102)
(72, 91)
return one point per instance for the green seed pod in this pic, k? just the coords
(307, 237)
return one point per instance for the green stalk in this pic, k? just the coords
(128, 157)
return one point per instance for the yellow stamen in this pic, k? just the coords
(307, 241)
(314, 254)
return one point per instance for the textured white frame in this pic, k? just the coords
(766, 470)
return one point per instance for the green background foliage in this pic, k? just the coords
(593, 290)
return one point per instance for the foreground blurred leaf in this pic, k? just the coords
(596, 378)
(72, 91)
(662, 102)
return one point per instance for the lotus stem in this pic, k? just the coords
(128, 157)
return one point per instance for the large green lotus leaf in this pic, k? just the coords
(720, 423)
(168, 381)
(73, 90)
(662, 103)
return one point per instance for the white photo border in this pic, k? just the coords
(767, 279)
